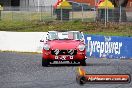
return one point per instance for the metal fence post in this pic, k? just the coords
(12, 13)
(0, 15)
(22, 13)
(40, 13)
(61, 14)
(29, 13)
(95, 14)
(105, 17)
(120, 14)
(82, 12)
(51, 11)
(72, 15)
(107, 14)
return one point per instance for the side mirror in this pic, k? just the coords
(41, 40)
(82, 40)
(46, 38)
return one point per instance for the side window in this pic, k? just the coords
(47, 37)
(52, 35)
(77, 35)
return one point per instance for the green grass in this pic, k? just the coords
(112, 29)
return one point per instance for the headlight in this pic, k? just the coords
(46, 47)
(81, 47)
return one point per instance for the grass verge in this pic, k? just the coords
(112, 29)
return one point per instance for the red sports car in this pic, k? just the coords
(64, 46)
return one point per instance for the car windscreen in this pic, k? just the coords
(64, 35)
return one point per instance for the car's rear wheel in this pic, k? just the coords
(83, 62)
(45, 62)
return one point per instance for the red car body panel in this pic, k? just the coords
(64, 45)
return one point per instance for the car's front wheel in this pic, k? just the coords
(45, 62)
(83, 62)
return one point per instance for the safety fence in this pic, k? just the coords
(82, 13)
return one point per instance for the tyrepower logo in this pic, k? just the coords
(103, 47)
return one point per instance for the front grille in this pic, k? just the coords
(64, 52)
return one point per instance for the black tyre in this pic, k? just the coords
(45, 62)
(83, 62)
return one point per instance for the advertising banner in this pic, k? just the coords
(108, 46)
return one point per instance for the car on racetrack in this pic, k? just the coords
(64, 46)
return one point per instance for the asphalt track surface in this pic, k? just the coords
(24, 70)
